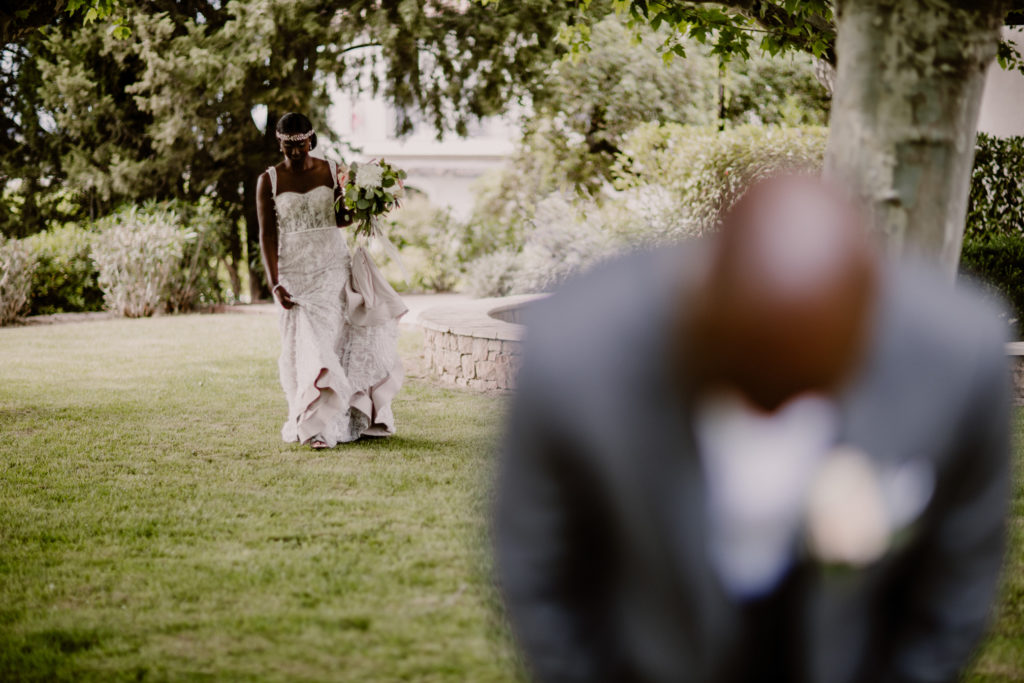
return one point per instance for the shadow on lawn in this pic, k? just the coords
(43, 655)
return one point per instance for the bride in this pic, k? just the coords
(339, 363)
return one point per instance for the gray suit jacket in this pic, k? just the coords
(601, 511)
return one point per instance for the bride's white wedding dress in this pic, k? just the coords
(339, 376)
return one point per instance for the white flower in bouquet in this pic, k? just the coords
(369, 175)
(847, 520)
(369, 191)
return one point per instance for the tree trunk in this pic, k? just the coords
(905, 113)
(258, 289)
(257, 157)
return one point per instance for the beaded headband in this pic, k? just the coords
(294, 137)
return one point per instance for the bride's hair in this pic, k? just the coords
(294, 123)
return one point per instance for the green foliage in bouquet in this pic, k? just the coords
(371, 190)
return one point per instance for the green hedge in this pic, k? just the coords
(996, 203)
(65, 276)
(997, 263)
(993, 248)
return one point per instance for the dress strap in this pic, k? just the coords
(334, 172)
(272, 172)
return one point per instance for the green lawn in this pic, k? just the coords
(154, 527)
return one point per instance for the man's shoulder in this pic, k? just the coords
(937, 344)
(928, 307)
(606, 321)
(624, 289)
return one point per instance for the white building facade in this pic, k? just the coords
(444, 170)
(1002, 104)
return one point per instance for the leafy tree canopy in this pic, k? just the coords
(575, 133)
(92, 116)
(19, 18)
(731, 29)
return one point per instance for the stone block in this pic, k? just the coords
(465, 344)
(476, 384)
(487, 370)
(490, 384)
(494, 345)
(505, 379)
(452, 362)
(1018, 379)
(468, 367)
(507, 369)
(480, 349)
(511, 348)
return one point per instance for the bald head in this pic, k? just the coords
(786, 301)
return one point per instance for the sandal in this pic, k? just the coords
(318, 443)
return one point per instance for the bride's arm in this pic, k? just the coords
(267, 216)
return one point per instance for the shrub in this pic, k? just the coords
(65, 279)
(504, 203)
(646, 215)
(431, 243)
(160, 257)
(493, 274)
(997, 262)
(996, 202)
(139, 254)
(16, 268)
(708, 170)
(565, 239)
(206, 231)
(672, 182)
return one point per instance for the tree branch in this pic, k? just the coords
(773, 17)
(358, 47)
(777, 21)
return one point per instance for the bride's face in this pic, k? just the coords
(295, 150)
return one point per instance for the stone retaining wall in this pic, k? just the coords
(469, 345)
(474, 344)
(1015, 351)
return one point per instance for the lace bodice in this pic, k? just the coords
(298, 211)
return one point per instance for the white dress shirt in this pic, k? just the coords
(758, 469)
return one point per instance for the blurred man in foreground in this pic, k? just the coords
(768, 456)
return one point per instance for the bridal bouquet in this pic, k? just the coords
(370, 190)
